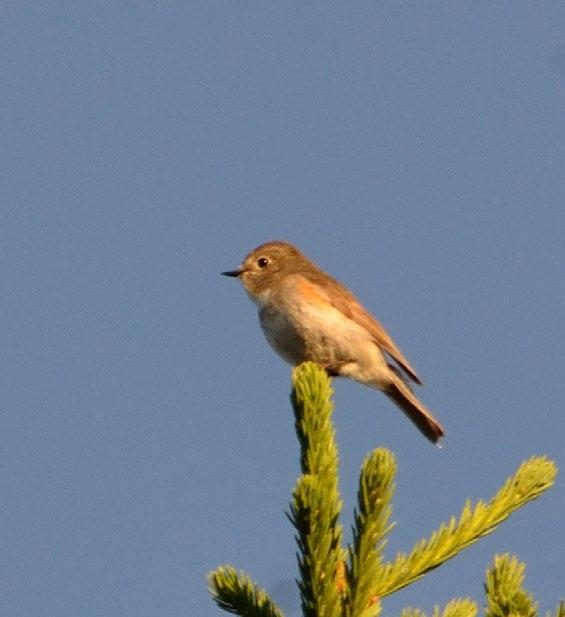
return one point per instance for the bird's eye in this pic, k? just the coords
(262, 262)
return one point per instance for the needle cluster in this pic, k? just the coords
(350, 581)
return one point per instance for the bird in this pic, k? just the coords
(306, 314)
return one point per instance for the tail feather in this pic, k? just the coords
(402, 396)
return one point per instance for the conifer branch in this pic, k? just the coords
(336, 583)
(532, 478)
(412, 612)
(235, 593)
(504, 589)
(463, 607)
(376, 489)
(316, 503)
(560, 611)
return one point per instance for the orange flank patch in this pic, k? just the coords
(311, 293)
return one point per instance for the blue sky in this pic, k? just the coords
(416, 151)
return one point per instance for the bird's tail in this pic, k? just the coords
(399, 392)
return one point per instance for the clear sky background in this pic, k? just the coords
(416, 151)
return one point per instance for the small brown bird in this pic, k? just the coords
(307, 315)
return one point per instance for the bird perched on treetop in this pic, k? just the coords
(307, 315)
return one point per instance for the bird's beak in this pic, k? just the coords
(234, 273)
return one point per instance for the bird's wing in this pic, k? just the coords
(345, 302)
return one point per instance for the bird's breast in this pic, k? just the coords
(300, 329)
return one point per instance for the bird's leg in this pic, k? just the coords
(333, 369)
